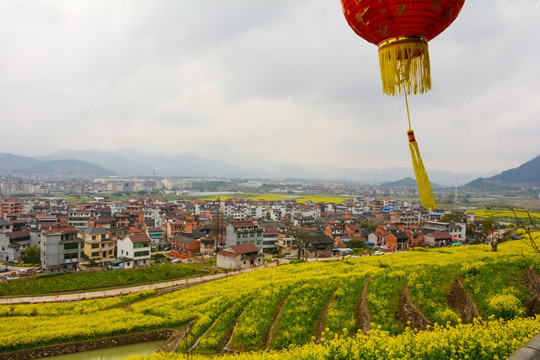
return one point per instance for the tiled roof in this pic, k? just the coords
(242, 249)
(59, 230)
(139, 238)
(243, 224)
(18, 234)
(94, 231)
(440, 235)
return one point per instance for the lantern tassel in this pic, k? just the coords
(427, 198)
(424, 187)
(404, 63)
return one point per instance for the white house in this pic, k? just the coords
(239, 256)
(134, 250)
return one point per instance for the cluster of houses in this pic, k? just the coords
(238, 232)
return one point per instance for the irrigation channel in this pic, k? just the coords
(112, 353)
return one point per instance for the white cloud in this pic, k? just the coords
(275, 80)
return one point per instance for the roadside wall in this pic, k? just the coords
(409, 314)
(459, 299)
(75, 347)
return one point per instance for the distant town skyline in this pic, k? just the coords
(277, 81)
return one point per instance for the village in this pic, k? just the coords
(238, 233)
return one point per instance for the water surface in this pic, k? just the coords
(114, 353)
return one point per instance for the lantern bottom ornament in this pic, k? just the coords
(404, 63)
(424, 187)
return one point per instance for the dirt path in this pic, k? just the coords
(226, 347)
(322, 323)
(274, 321)
(364, 318)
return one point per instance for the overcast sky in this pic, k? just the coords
(276, 80)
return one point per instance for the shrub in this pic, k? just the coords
(506, 306)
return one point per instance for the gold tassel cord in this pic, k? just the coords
(404, 63)
(427, 198)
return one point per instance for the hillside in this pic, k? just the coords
(407, 182)
(303, 304)
(526, 174)
(11, 164)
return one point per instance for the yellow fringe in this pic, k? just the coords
(424, 187)
(404, 63)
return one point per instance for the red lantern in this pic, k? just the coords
(401, 30)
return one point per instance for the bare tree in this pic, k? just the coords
(489, 228)
(298, 239)
(529, 229)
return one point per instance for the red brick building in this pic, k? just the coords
(10, 208)
(183, 246)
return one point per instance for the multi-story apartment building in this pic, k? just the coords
(409, 218)
(247, 232)
(97, 243)
(60, 249)
(10, 208)
(78, 217)
(457, 230)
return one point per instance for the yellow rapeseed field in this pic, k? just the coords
(281, 309)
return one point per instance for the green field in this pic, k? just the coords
(72, 282)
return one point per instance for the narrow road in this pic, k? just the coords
(168, 285)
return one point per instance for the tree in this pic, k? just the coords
(299, 239)
(368, 225)
(32, 255)
(530, 230)
(356, 243)
(488, 227)
(453, 217)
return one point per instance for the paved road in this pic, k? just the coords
(168, 285)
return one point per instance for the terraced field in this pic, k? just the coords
(372, 307)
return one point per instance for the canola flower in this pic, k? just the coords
(496, 339)
(246, 306)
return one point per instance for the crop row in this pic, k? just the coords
(287, 303)
(487, 341)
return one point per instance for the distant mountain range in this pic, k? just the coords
(125, 162)
(14, 164)
(526, 174)
(408, 182)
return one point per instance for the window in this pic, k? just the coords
(95, 246)
(71, 246)
(141, 253)
(95, 254)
